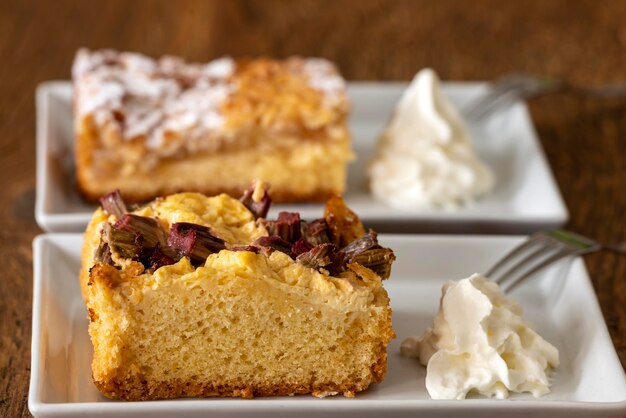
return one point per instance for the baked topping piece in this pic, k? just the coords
(112, 203)
(330, 244)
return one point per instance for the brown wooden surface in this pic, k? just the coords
(582, 41)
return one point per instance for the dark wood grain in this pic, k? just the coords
(582, 41)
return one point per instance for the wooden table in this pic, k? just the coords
(374, 40)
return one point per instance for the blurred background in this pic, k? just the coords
(580, 41)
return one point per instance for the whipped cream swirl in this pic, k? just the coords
(425, 157)
(479, 342)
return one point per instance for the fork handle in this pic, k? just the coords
(616, 248)
(550, 85)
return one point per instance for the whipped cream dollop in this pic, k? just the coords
(425, 157)
(479, 342)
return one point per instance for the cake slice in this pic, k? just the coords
(156, 127)
(195, 296)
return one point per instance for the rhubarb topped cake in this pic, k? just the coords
(155, 127)
(195, 296)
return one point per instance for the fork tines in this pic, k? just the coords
(507, 90)
(539, 251)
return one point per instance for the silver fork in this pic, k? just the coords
(508, 89)
(541, 250)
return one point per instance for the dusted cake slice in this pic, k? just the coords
(195, 296)
(156, 127)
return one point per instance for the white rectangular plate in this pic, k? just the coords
(525, 199)
(589, 382)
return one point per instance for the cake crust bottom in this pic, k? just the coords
(138, 389)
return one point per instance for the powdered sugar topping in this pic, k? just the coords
(174, 107)
(154, 98)
(324, 77)
(220, 68)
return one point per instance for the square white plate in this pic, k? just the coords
(589, 382)
(525, 199)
